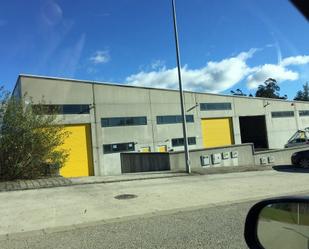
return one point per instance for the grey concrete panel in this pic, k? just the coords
(56, 91)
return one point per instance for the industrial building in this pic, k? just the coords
(106, 119)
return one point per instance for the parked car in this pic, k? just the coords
(301, 159)
(301, 137)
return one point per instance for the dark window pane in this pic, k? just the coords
(282, 114)
(71, 109)
(61, 109)
(180, 141)
(121, 147)
(47, 109)
(75, 109)
(123, 121)
(104, 122)
(191, 140)
(215, 106)
(190, 118)
(173, 119)
(304, 113)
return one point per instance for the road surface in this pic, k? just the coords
(216, 227)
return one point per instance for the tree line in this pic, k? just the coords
(271, 89)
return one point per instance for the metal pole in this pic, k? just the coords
(184, 126)
(297, 213)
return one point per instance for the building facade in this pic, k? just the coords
(107, 119)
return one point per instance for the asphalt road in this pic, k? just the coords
(215, 227)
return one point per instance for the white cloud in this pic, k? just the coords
(100, 57)
(217, 76)
(295, 60)
(214, 77)
(278, 72)
(157, 64)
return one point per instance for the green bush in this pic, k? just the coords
(30, 141)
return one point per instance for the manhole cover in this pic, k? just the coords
(125, 196)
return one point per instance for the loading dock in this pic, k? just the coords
(253, 130)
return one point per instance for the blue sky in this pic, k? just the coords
(224, 44)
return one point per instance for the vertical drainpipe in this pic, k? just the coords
(152, 122)
(296, 115)
(95, 147)
(236, 134)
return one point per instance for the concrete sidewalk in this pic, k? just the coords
(48, 182)
(229, 169)
(55, 209)
(164, 174)
(53, 182)
(124, 177)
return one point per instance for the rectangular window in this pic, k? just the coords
(283, 114)
(180, 141)
(115, 148)
(304, 113)
(173, 119)
(123, 121)
(215, 106)
(61, 109)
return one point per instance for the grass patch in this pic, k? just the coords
(276, 214)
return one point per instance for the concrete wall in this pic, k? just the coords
(17, 89)
(279, 130)
(244, 158)
(108, 100)
(168, 103)
(55, 91)
(303, 121)
(121, 102)
(280, 157)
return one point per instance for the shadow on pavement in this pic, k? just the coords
(290, 169)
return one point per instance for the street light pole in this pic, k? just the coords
(184, 126)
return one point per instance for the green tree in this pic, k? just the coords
(269, 89)
(30, 140)
(303, 94)
(238, 92)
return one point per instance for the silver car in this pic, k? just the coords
(301, 137)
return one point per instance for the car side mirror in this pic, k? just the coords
(280, 223)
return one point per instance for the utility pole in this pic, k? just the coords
(184, 126)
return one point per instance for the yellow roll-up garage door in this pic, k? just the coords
(217, 132)
(78, 143)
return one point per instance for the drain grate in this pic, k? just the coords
(125, 196)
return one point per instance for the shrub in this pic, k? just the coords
(30, 141)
